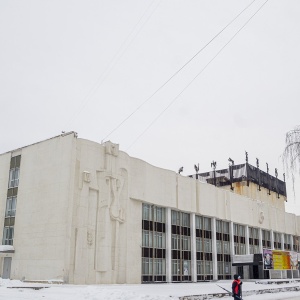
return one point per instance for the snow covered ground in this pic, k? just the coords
(14, 290)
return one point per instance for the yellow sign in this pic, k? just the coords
(281, 260)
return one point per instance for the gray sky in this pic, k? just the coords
(86, 65)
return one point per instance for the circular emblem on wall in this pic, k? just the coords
(261, 217)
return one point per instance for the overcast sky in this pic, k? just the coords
(87, 65)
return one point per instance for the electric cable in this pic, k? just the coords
(183, 90)
(174, 74)
(117, 56)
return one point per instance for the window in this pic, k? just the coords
(287, 242)
(11, 204)
(147, 215)
(175, 242)
(254, 240)
(204, 248)
(266, 238)
(159, 266)
(14, 177)
(147, 238)
(146, 266)
(181, 246)
(185, 220)
(175, 267)
(175, 217)
(8, 236)
(277, 240)
(239, 239)
(186, 243)
(153, 244)
(223, 249)
(296, 243)
(159, 240)
(159, 214)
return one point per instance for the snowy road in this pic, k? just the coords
(17, 290)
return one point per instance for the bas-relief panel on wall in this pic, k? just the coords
(108, 212)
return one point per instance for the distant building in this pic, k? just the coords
(87, 213)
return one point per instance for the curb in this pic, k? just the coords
(245, 293)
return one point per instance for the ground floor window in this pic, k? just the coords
(153, 269)
(204, 270)
(8, 236)
(181, 270)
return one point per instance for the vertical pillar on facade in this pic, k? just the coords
(272, 239)
(214, 248)
(247, 239)
(291, 242)
(282, 241)
(260, 240)
(168, 245)
(193, 249)
(231, 232)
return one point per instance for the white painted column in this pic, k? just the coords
(193, 249)
(282, 241)
(168, 245)
(292, 242)
(272, 239)
(247, 239)
(260, 240)
(214, 248)
(231, 232)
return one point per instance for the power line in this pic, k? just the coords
(168, 106)
(180, 69)
(117, 56)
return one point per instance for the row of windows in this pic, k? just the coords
(180, 219)
(153, 266)
(203, 244)
(204, 267)
(181, 242)
(180, 267)
(11, 201)
(154, 239)
(222, 226)
(203, 223)
(154, 213)
(154, 242)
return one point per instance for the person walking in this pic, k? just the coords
(236, 287)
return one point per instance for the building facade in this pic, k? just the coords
(81, 212)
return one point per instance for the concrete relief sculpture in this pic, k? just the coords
(261, 216)
(86, 176)
(115, 209)
(111, 214)
(89, 238)
(112, 149)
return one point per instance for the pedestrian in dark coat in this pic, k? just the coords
(236, 287)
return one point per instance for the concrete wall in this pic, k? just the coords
(42, 222)
(79, 210)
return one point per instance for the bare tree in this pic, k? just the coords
(291, 154)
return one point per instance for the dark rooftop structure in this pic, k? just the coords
(243, 172)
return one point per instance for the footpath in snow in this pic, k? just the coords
(14, 290)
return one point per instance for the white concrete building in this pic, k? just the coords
(87, 213)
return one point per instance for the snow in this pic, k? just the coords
(14, 289)
(4, 248)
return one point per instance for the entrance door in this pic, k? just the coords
(255, 272)
(6, 268)
(240, 271)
